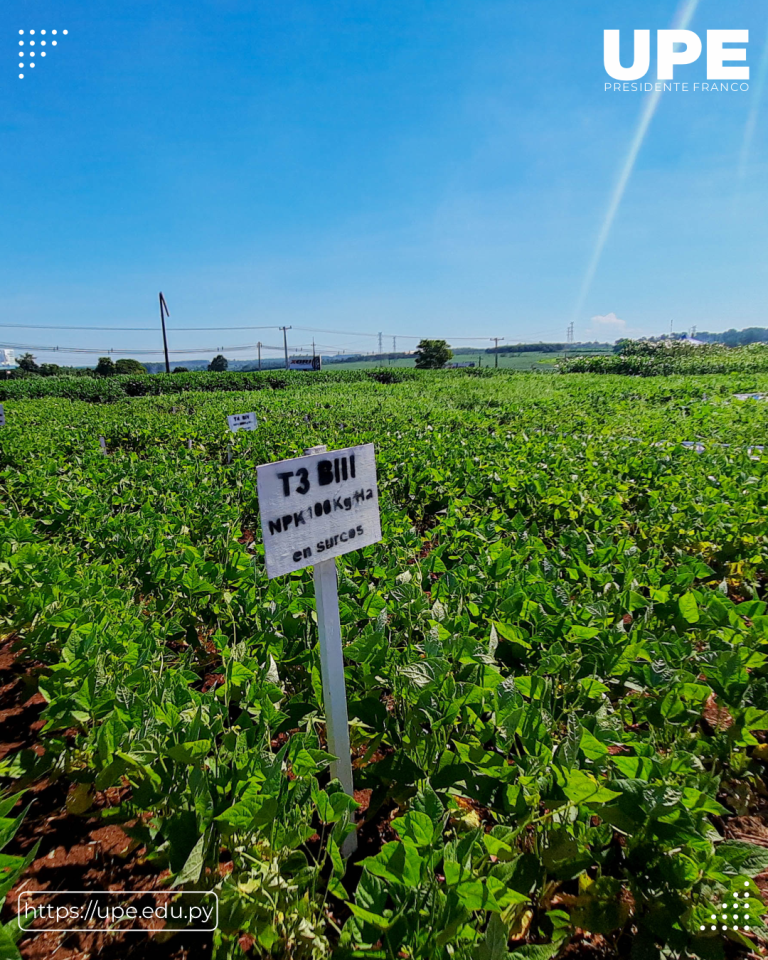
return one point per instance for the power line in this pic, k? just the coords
(31, 326)
(341, 333)
(105, 351)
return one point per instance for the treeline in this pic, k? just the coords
(549, 347)
(27, 366)
(736, 338)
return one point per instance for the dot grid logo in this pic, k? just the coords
(32, 45)
(736, 912)
(678, 48)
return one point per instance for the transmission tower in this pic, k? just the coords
(569, 333)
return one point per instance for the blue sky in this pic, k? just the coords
(437, 168)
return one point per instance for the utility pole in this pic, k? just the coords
(313, 348)
(259, 348)
(496, 350)
(285, 344)
(381, 350)
(163, 314)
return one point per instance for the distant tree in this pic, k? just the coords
(219, 364)
(432, 354)
(180, 370)
(50, 369)
(26, 362)
(736, 338)
(129, 366)
(105, 367)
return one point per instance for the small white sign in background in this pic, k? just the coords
(318, 507)
(2, 416)
(242, 421)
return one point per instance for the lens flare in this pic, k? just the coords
(757, 96)
(682, 21)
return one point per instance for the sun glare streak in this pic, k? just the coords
(682, 21)
(751, 124)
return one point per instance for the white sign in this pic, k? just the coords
(318, 507)
(242, 421)
(2, 416)
(312, 363)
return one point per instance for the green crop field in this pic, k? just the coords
(556, 666)
(661, 358)
(540, 361)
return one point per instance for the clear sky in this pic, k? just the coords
(417, 167)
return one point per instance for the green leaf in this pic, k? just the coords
(415, 826)
(336, 887)
(583, 633)
(397, 862)
(191, 752)
(192, 869)
(591, 747)
(748, 858)
(8, 949)
(536, 951)
(494, 943)
(381, 923)
(581, 788)
(593, 688)
(475, 895)
(689, 608)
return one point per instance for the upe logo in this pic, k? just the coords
(669, 55)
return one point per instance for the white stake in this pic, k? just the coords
(189, 443)
(229, 453)
(103, 444)
(332, 671)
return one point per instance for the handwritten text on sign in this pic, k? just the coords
(242, 421)
(318, 507)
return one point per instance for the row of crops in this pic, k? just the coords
(111, 389)
(556, 661)
(662, 359)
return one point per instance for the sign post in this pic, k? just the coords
(242, 421)
(332, 666)
(103, 445)
(313, 509)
